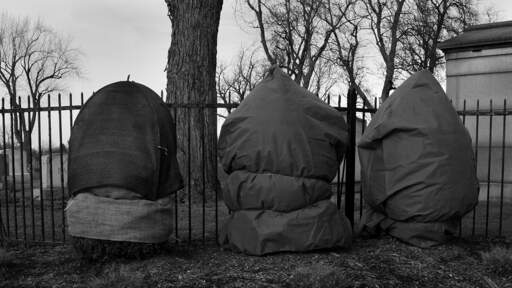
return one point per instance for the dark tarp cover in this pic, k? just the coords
(417, 165)
(124, 136)
(281, 148)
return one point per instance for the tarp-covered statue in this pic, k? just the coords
(122, 169)
(417, 164)
(281, 148)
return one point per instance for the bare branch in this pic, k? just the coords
(296, 34)
(384, 17)
(236, 81)
(33, 58)
(259, 16)
(428, 23)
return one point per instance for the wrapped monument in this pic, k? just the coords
(122, 167)
(281, 148)
(417, 165)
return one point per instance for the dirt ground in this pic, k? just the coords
(381, 262)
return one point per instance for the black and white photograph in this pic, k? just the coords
(256, 143)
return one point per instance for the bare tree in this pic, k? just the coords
(235, 82)
(33, 59)
(191, 64)
(325, 77)
(384, 19)
(429, 23)
(293, 34)
(344, 17)
(222, 87)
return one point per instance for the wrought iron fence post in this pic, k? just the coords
(351, 155)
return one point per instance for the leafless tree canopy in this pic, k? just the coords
(384, 18)
(344, 18)
(33, 59)
(429, 23)
(316, 41)
(407, 33)
(293, 34)
(234, 82)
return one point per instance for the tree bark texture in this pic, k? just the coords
(191, 82)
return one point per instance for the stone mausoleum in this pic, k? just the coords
(479, 67)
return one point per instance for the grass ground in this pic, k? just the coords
(369, 263)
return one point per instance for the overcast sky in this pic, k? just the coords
(121, 37)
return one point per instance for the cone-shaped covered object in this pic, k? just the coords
(122, 166)
(418, 167)
(124, 136)
(281, 149)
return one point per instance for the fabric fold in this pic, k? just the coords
(281, 148)
(417, 163)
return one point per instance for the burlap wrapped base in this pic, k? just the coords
(106, 227)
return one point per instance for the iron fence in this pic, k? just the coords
(493, 155)
(34, 169)
(33, 181)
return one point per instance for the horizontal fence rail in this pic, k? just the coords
(33, 169)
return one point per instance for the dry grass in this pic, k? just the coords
(498, 260)
(122, 276)
(103, 250)
(6, 261)
(5, 258)
(316, 276)
(370, 263)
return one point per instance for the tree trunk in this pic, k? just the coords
(23, 135)
(191, 81)
(388, 82)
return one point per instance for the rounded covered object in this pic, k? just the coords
(281, 148)
(122, 166)
(418, 167)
